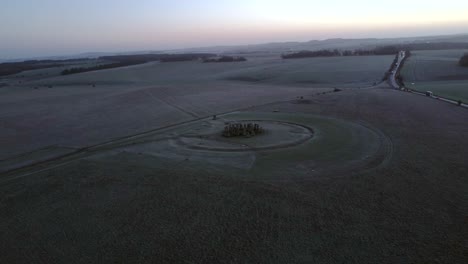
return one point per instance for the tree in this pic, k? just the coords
(464, 60)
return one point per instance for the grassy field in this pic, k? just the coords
(336, 146)
(31, 75)
(437, 71)
(455, 90)
(335, 71)
(138, 207)
(97, 114)
(316, 72)
(382, 180)
(90, 105)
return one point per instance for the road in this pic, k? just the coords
(438, 98)
(394, 83)
(396, 69)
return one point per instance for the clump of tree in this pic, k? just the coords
(9, 68)
(363, 52)
(464, 60)
(184, 57)
(144, 58)
(384, 50)
(224, 59)
(433, 46)
(392, 66)
(98, 67)
(347, 53)
(130, 60)
(312, 54)
(387, 50)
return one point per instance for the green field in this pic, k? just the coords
(437, 71)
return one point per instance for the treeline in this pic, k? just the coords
(144, 58)
(464, 60)
(130, 60)
(135, 59)
(392, 67)
(399, 77)
(96, 68)
(185, 57)
(225, 59)
(385, 50)
(433, 46)
(311, 54)
(9, 68)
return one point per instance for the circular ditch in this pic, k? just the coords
(275, 135)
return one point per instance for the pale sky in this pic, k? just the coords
(58, 27)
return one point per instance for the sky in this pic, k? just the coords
(31, 28)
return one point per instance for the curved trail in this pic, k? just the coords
(252, 148)
(380, 159)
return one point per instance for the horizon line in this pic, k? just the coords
(122, 52)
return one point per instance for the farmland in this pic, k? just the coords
(353, 72)
(265, 69)
(160, 94)
(129, 164)
(437, 71)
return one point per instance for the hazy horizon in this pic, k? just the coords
(53, 28)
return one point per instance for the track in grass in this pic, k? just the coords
(298, 146)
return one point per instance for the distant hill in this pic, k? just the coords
(336, 43)
(88, 55)
(277, 47)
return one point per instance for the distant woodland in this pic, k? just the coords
(109, 62)
(95, 68)
(464, 61)
(10, 68)
(225, 59)
(384, 50)
(129, 60)
(102, 63)
(434, 46)
(185, 57)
